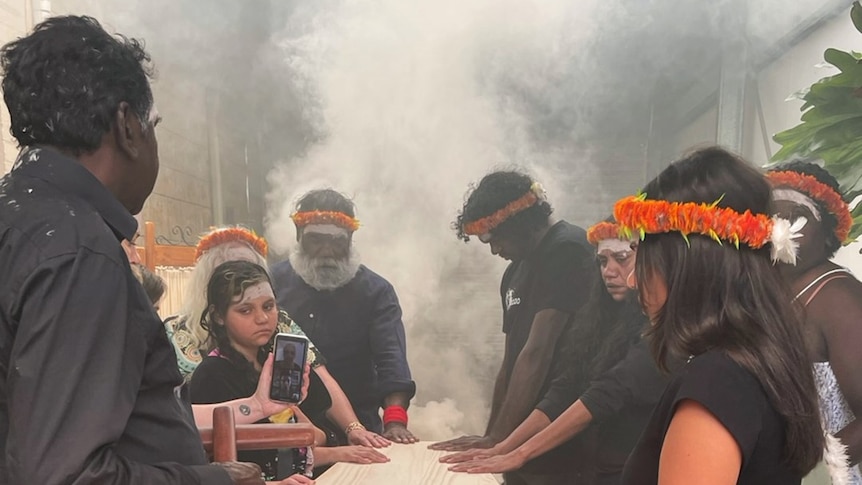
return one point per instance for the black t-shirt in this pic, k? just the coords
(217, 380)
(622, 401)
(557, 275)
(736, 398)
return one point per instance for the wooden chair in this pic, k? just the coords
(226, 437)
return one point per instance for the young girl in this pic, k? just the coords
(241, 319)
(743, 410)
(326, 400)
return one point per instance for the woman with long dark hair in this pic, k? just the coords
(743, 410)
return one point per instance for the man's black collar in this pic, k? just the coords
(70, 176)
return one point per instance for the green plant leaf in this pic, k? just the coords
(844, 61)
(830, 126)
(856, 16)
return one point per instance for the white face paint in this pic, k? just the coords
(797, 198)
(614, 245)
(327, 229)
(256, 291)
(240, 252)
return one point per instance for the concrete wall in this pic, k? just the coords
(794, 70)
(15, 20)
(197, 139)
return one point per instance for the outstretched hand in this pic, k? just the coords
(360, 454)
(495, 464)
(469, 455)
(467, 442)
(398, 433)
(363, 437)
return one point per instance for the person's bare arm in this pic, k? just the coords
(837, 311)
(530, 372)
(698, 449)
(251, 409)
(342, 414)
(362, 455)
(535, 422)
(498, 395)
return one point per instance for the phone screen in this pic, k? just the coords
(290, 354)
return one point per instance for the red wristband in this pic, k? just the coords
(395, 414)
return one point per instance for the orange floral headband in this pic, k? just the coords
(487, 224)
(340, 219)
(603, 230)
(820, 192)
(637, 215)
(231, 234)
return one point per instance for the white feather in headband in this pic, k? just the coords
(784, 248)
(836, 460)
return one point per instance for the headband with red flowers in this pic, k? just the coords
(483, 226)
(602, 231)
(340, 219)
(228, 235)
(822, 193)
(638, 215)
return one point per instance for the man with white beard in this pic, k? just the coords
(351, 313)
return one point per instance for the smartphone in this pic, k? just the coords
(291, 351)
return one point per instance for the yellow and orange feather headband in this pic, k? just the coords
(340, 219)
(231, 234)
(639, 216)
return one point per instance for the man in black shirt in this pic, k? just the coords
(89, 387)
(548, 280)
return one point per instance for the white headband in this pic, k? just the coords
(256, 291)
(797, 198)
(614, 245)
(330, 229)
(241, 252)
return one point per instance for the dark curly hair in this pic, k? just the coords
(326, 200)
(494, 191)
(229, 281)
(829, 222)
(64, 82)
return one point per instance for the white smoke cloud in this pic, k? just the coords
(411, 103)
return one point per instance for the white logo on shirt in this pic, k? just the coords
(511, 300)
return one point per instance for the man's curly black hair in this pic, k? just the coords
(829, 221)
(64, 82)
(494, 191)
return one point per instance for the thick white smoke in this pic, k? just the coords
(411, 102)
